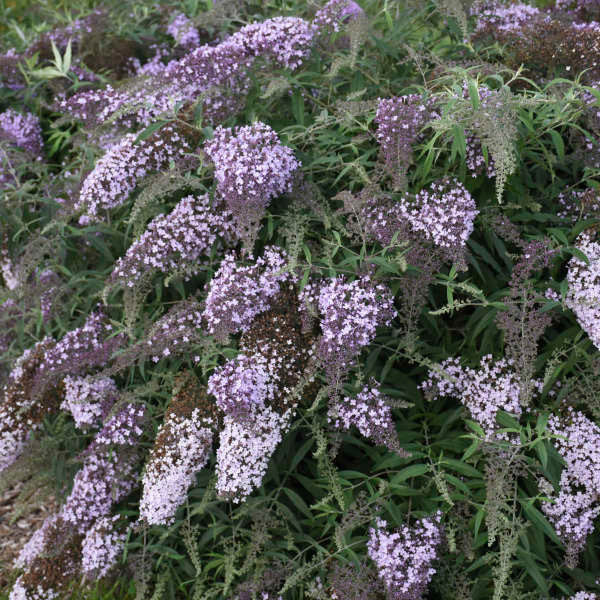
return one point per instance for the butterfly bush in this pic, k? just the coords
(182, 29)
(493, 386)
(101, 547)
(370, 412)
(36, 543)
(405, 556)
(245, 449)
(81, 349)
(109, 466)
(504, 18)
(22, 130)
(174, 241)
(573, 511)
(219, 74)
(583, 295)
(331, 17)
(89, 399)
(399, 122)
(350, 313)
(238, 293)
(116, 174)
(183, 446)
(252, 168)
(21, 410)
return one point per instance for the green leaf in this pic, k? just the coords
(408, 472)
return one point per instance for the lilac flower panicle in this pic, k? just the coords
(251, 168)
(573, 511)
(237, 293)
(21, 592)
(182, 29)
(116, 174)
(109, 471)
(184, 444)
(333, 15)
(22, 130)
(371, 414)
(287, 41)
(35, 545)
(89, 399)
(493, 386)
(399, 122)
(174, 241)
(245, 449)
(583, 295)
(242, 384)
(85, 347)
(443, 214)
(405, 556)
(101, 547)
(350, 314)
(509, 18)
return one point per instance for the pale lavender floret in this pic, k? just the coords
(20, 592)
(101, 548)
(405, 556)
(185, 444)
(245, 449)
(238, 293)
(243, 383)
(182, 29)
(582, 596)
(583, 295)
(116, 174)
(370, 412)
(493, 386)
(174, 241)
(573, 511)
(251, 168)
(350, 314)
(331, 17)
(89, 399)
(35, 545)
(22, 130)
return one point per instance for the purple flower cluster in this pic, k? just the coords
(108, 473)
(583, 295)
(245, 449)
(218, 73)
(335, 14)
(174, 241)
(493, 386)
(573, 511)
(116, 174)
(22, 130)
(404, 557)
(23, 592)
(89, 399)
(442, 214)
(251, 168)
(88, 346)
(244, 384)
(185, 444)
(505, 18)
(238, 293)
(399, 122)
(579, 204)
(370, 412)
(182, 29)
(35, 545)
(287, 41)
(101, 547)
(21, 411)
(350, 314)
